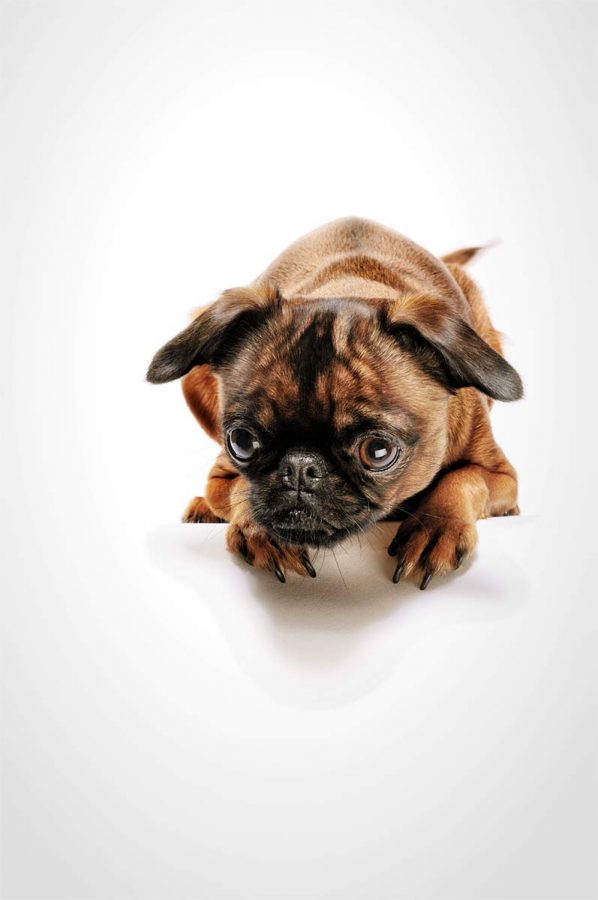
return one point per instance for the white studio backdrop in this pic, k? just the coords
(174, 725)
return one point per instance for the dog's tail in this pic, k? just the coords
(463, 256)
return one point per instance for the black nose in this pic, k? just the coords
(301, 471)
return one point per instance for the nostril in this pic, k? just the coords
(312, 472)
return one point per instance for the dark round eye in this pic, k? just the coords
(242, 443)
(378, 453)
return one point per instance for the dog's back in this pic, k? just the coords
(354, 257)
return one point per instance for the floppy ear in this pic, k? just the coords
(213, 333)
(450, 348)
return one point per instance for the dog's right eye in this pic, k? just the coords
(378, 453)
(242, 443)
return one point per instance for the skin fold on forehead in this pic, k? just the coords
(330, 363)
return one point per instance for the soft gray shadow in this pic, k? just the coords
(335, 636)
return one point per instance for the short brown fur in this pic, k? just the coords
(459, 474)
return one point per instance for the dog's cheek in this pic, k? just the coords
(263, 495)
(345, 497)
(417, 473)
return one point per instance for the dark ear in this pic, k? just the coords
(450, 348)
(213, 333)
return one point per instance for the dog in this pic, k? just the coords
(351, 382)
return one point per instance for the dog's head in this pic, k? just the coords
(335, 410)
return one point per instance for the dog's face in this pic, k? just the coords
(329, 421)
(334, 411)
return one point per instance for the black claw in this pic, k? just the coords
(307, 565)
(393, 546)
(426, 581)
(279, 574)
(460, 556)
(398, 572)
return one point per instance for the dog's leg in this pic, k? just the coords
(441, 533)
(227, 498)
(198, 510)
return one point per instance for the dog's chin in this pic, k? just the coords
(303, 528)
(309, 537)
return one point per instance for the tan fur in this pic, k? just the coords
(358, 258)
(200, 388)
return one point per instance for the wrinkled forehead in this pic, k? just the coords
(324, 364)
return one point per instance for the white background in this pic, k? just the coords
(176, 725)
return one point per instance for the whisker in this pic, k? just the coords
(339, 570)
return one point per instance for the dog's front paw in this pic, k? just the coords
(199, 511)
(427, 545)
(259, 549)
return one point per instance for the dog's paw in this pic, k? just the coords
(425, 547)
(261, 550)
(199, 511)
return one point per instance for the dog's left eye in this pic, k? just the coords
(242, 443)
(378, 453)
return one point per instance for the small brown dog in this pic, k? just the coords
(349, 383)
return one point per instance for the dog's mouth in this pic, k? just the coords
(300, 526)
(308, 519)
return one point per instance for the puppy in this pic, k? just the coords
(350, 382)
